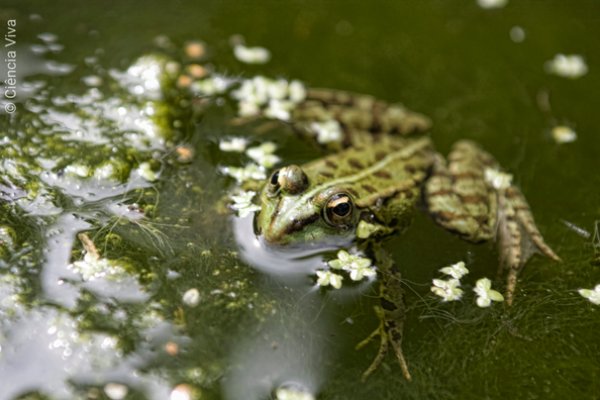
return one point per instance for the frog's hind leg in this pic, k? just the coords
(460, 199)
(357, 115)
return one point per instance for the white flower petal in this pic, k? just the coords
(251, 55)
(563, 134)
(335, 281)
(483, 302)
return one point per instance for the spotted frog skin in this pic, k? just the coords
(370, 186)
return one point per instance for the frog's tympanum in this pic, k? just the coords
(368, 188)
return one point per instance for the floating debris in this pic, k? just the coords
(195, 49)
(185, 154)
(172, 348)
(115, 391)
(251, 55)
(329, 278)
(293, 394)
(328, 131)
(235, 144)
(492, 3)
(78, 169)
(563, 134)
(93, 267)
(456, 271)
(48, 37)
(572, 66)
(182, 391)
(279, 97)
(243, 203)
(92, 80)
(447, 290)
(591, 295)
(184, 81)
(580, 231)
(146, 172)
(212, 86)
(197, 71)
(191, 298)
(263, 154)
(499, 180)
(485, 294)
(517, 34)
(279, 109)
(297, 91)
(358, 266)
(251, 171)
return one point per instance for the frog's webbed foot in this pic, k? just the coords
(460, 199)
(387, 336)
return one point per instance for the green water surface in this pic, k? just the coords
(69, 163)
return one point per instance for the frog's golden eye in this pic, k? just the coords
(339, 211)
(274, 186)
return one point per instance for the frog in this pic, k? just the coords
(368, 186)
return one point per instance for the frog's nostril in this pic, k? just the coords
(296, 181)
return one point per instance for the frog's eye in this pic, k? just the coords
(339, 210)
(274, 186)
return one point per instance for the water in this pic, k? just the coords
(71, 157)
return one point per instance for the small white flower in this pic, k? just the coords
(253, 91)
(359, 272)
(329, 278)
(457, 270)
(447, 290)
(358, 266)
(263, 154)
(235, 144)
(210, 86)
(591, 295)
(563, 134)
(191, 297)
(328, 131)
(243, 203)
(260, 85)
(297, 92)
(492, 3)
(251, 55)
(277, 90)
(499, 180)
(115, 391)
(485, 294)
(92, 80)
(279, 109)
(251, 171)
(248, 109)
(146, 172)
(572, 66)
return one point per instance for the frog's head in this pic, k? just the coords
(296, 213)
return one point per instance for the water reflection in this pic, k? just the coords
(290, 352)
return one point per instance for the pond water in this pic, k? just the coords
(116, 129)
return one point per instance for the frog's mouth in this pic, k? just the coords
(308, 233)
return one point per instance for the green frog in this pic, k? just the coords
(367, 189)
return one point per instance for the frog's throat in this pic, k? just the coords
(405, 152)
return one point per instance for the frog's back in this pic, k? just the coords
(384, 177)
